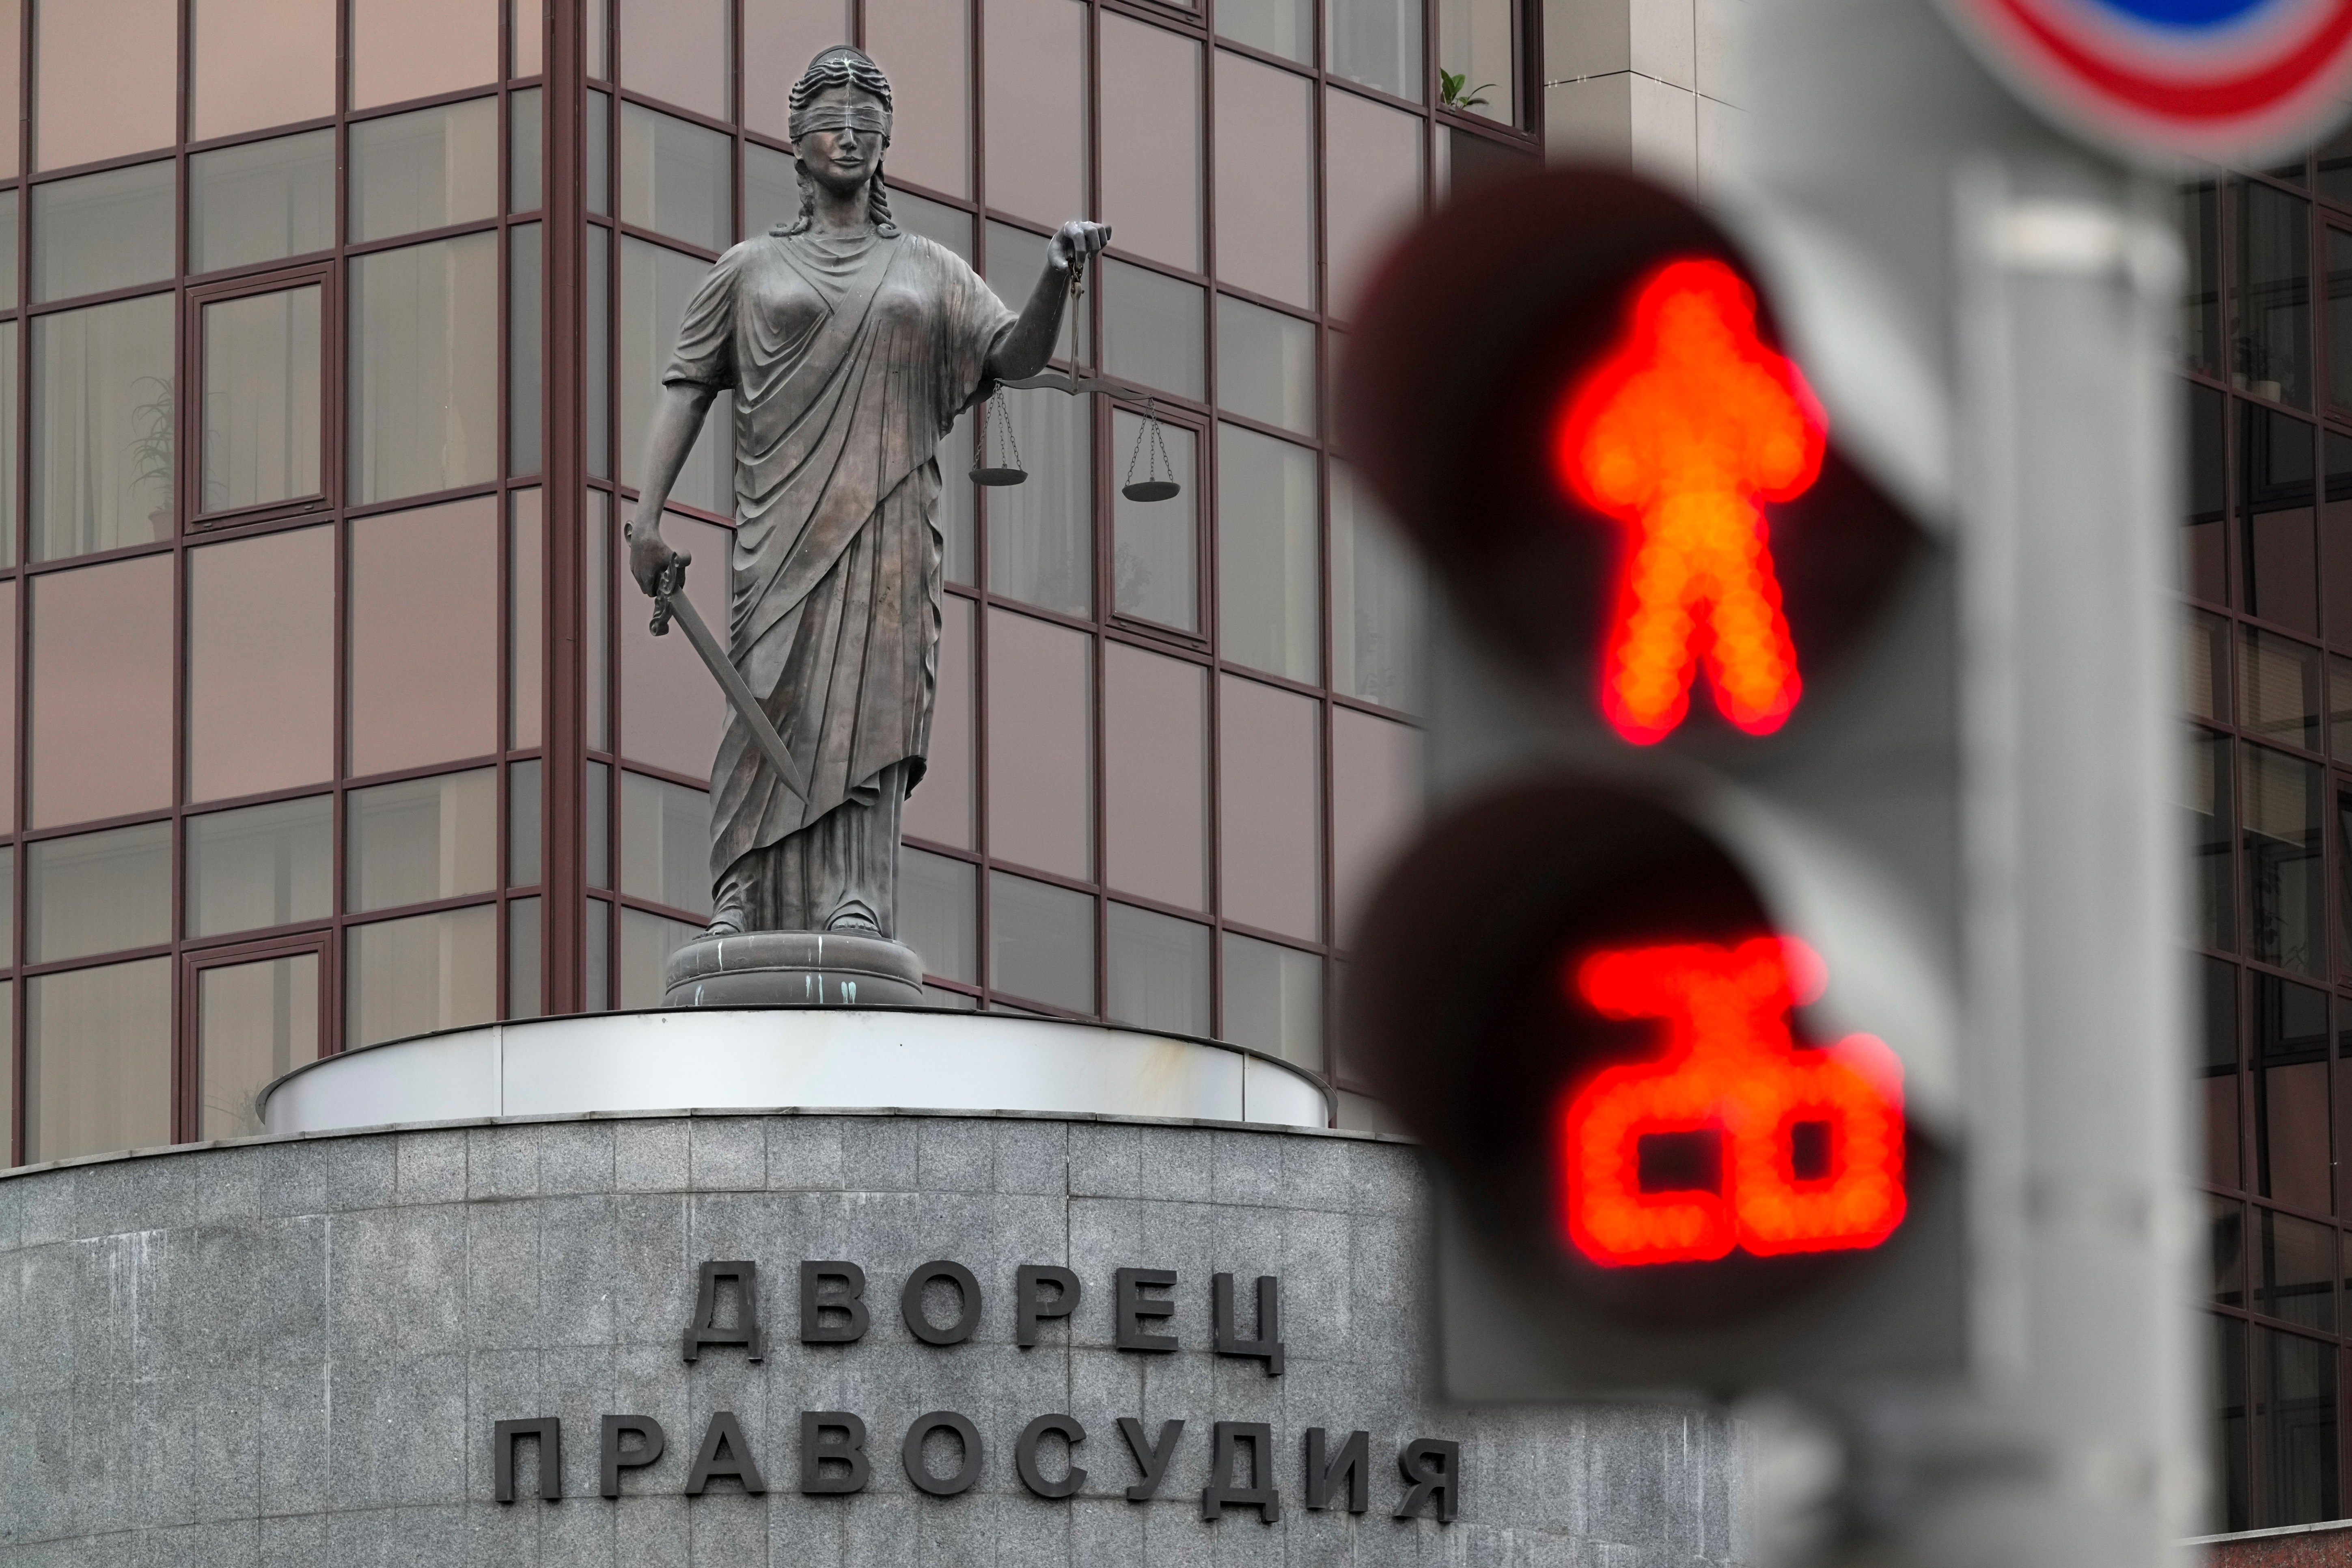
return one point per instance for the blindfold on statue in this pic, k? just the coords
(870, 119)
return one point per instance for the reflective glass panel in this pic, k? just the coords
(2339, 706)
(255, 1023)
(1371, 187)
(771, 192)
(423, 368)
(261, 664)
(1015, 260)
(656, 284)
(2336, 169)
(101, 643)
(1378, 596)
(599, 984)
(524, 335)
(2339, 319)
(2275, 494)
(105, 80)
(424, 636)
(597, 550)
(524, 26)
(1159, 970)
(959, 514)
(1041, 533)
(525, 149)
(780, 39)
(1474, 58)
(1269, 792)
(2278, 688)
(11, 107)
(526, 996)
(1267, 553)
(8, 710)
(2229, 1499)
(666, 843)
(1274, 1000)
(9, 443)
(102, 427)
(1041, 942)
(676, 178)
(1040, 745)
(1154, 330)
(2226, 1226)
(951, 227)
(1265, 365)
(100, 892)
(525, 813)
(2297, 1281)
(2271, 355)
(672, 712)
(2216, 997)
(2285, 908)
(1037, 136)
(98, 1060)
(2205, 546)
(941, 807)
(2201, 300)
(1156, 776)
(647, 941)
(678, 51)
(9, 226)
(526, 610)
(596, 826)
(421, 840)
(262, 372)
(939, 915)
(418, 48)
(1265, 170)
(427, 972)
(263, 200)
(1155, 546)
(260, 62)
(600, 354)
(102, 232)
(599, 172)
(264, 866)
(1376, 42)
(2291, 1044)
(428, 169)
(2205, 665)
(2296, 1424)
(1376, 790)
(1285, 27)
(1151, 140)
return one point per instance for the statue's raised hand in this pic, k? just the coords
(651, 557)
(1075, 242)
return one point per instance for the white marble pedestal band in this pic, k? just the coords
(793, 969)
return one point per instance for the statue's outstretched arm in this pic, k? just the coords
(677, 420)
(1030, 344)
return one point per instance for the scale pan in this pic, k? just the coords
(1000, 476)
(1151, 490)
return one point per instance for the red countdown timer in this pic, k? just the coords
(1810, 1141)
(1681, 432)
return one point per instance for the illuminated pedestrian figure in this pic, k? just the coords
(1810, 1141)
(1683, 432)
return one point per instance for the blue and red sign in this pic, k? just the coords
(2223, 79)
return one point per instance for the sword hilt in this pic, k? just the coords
(672, 580)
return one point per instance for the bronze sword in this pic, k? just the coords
(671, 600)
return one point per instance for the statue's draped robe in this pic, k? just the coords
(849, 360)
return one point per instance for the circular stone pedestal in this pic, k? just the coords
(793, 969)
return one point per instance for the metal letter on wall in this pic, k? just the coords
(614, 1458)
(846, 1447)
(1025, 1455)
(910, 1303)
(724, 1452)
(1267, 1346)
(847, 1296)
(704, 1329)
(1130, 1307)
(1219, 1494)
(1032, 1307)
(1434, 1466)
(1350, 1466)
(910, 1452)
(1152, 1459)
(550, 1433)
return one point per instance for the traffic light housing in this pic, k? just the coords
(1667, 987)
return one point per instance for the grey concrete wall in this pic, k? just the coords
(293, 1352)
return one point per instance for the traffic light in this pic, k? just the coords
(1667, 986)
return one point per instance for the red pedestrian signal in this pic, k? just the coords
(1808, 1142)
(1682, 434)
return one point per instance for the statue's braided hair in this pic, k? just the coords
(840, 66)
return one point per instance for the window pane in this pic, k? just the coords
(1040, 750)
(1154, 330)
(9, 226)
(1037, 136)
(598, 988)
(102, 232)
(7, 443)
(2226, 1226)
(2275, 491)
(261, 664)
(600, 354)
(526, 149)
(1041, 942)
(8, 713)
(596, 828)
(2335, 535)
(2291, 1041)
(2273, 357)
(1274, 1000)
(672, 712)
(525, 813)
(1015, 260)
(596, 548)
(1156, 776)
(1372, 184)
(677, 51)
(418, 49)
(599, 171)
(2230, 1501)
(937, 913)
(2298, 1271)
(425, 170)
(2218, 998)
(2205, 661)
(260, 62)
(105, 80)
(1159, 970)
(524, 330)
(1265, 365)
(780, 39)
(2200, 296)
(646, 942)
(1377, 599)
(2205, 552)
(656, 284)
(261, 202)
(1376, 42)
(1151, 140)
(772, 193)
(676, 178)
(101, 892)
(262, 371)
(424, 368)
(2212, 899)
(941, 807)
(254, 1023)
(1474, 42)
(2339, 319)
(1285, 27)
(101, 643)
(11, 106)
(422, 840)
(1271, 814)
(2294, 1422)
(2284, 890)
(958, 511)
(1156, 548)
(1375, 800)
(1266, 566)
(264, 865)
(666, 843)
(98, 1060)
(102, 427)
(426, 973)
(525, 994)
(1041, 533)
(525, 564)
(951, 227)
(1266, 181)
(425, 635)
(2278, 688)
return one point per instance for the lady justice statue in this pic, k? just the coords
(851, 347)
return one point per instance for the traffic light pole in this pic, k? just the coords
(2045, 275)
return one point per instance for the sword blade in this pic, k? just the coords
(739, 694)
